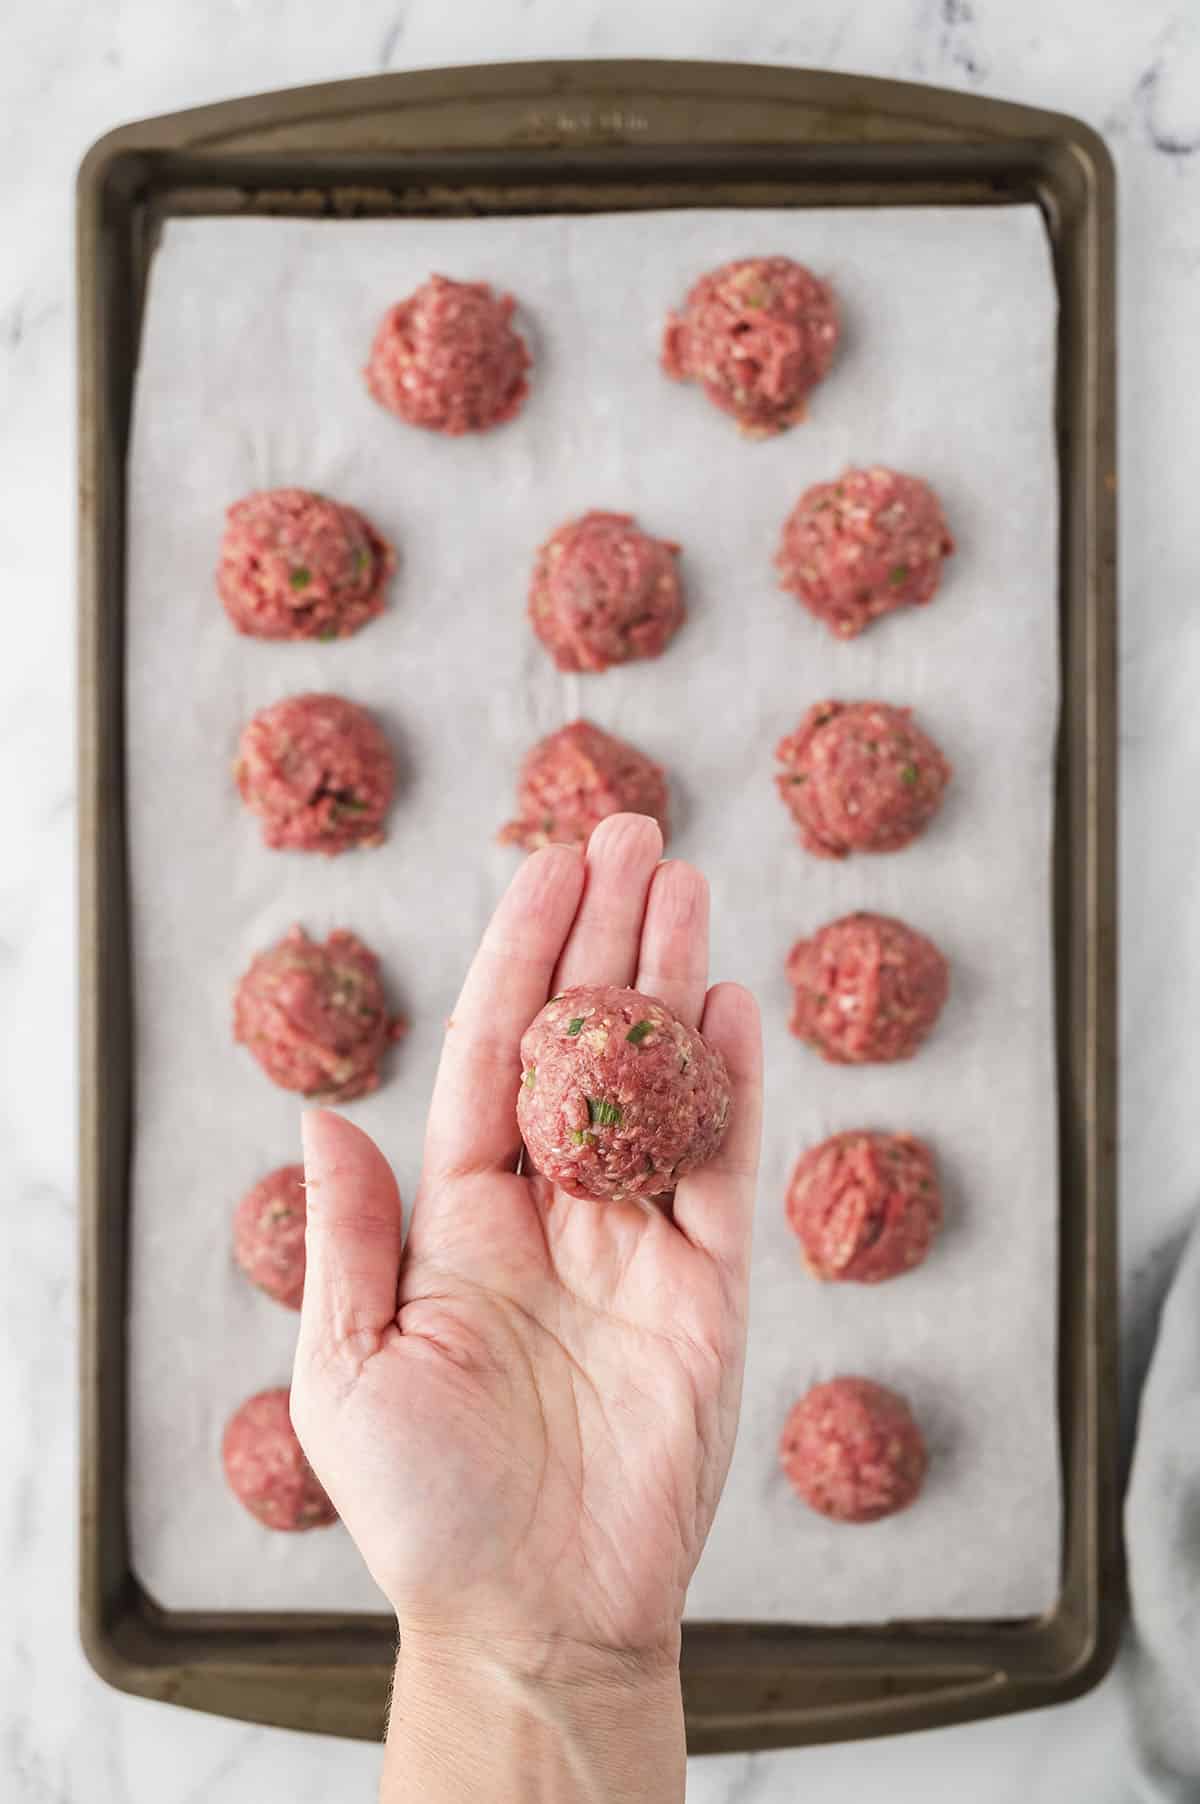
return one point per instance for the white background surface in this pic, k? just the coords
(69, 71)
(948, 369)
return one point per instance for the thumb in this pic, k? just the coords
(353, 1236)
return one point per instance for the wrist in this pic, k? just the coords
(545, 1721)
(557, 1662)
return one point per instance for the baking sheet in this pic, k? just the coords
(255, 333)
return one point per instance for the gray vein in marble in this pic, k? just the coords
(811, 40)
(949, 42)
(958, 40)
(27, 1765)
(391, 38)
(20, 322)
(747, 1785)
(1146, 1290)
(1145, 95)
(207, 1786)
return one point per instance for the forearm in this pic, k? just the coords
(471, 1723)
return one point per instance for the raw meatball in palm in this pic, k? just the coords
(618, 1097)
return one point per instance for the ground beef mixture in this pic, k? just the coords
(314, 1015)
(862, 546)
(759, 335)
(573, 780)
(868, 989)
(268, 1234)
(267, 1470)
(604, 592)
(618, 1098)
(860, 777)
(853, 1451)
(865, 1207)
(318, 772)
(295, 565)
(448, 358)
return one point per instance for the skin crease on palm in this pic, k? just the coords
(524, 1412)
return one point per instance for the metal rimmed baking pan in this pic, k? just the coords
(534, 138)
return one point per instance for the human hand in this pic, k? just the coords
(526, 1416)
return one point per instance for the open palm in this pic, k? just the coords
(525, 1416)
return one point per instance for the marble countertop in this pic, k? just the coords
(69, 71)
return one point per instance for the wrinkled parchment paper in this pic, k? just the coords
(255, 335)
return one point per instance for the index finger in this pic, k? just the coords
(472, 1117)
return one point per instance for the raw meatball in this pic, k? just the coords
(853, 1451)
(268, 1234)
(860, 777)
(267, 1470)
(603, 592)
(448, 358)
(571, 781)
(617, 1097)
(862, 546)
(759, 334)
(318, 772)
(295, 565)
(314, 1016)
(868, 989)
(865, 1206)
